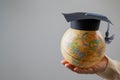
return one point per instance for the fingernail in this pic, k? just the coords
(62, 61)
(66, 65)
(75, 69)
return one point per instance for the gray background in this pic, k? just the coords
(30, 34)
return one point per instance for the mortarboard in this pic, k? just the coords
(88, 21)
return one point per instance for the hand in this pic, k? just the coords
(100, 67)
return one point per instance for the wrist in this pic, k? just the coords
(105, 62)
(102, 65)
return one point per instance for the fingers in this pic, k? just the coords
(71, 67)
(77, 69)
(84, 70)
(64, 62)
(68, 65)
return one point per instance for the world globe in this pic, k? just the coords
(82, 48)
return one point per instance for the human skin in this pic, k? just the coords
(98, 68)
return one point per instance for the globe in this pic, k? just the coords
(82, 48)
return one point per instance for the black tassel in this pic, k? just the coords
(108, 39)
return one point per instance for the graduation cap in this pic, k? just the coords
(88, 21)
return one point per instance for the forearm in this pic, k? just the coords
(112, 71)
